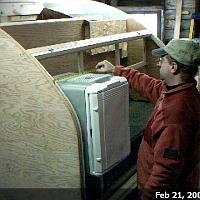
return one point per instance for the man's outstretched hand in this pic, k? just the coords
(104, 67)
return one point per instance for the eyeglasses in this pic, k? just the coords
(161, 60)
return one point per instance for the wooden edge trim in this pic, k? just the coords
(82, 45)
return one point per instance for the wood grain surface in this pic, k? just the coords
(104, 28)
(39, 136)
(135, 48)
(44, 32)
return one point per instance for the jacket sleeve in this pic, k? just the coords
(169, 152)
(147, 86)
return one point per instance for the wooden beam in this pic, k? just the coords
(117, 54)
(157, 41)
(82, 45)
(178, 19)
(191, 29)
(80, 61)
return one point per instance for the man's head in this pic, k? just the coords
(179, 58)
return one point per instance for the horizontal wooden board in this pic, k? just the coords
(83, 45)
(45, 32)
(17, 18)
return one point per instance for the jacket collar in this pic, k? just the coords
(179, 88)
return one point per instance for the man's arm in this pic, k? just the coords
(147, 86)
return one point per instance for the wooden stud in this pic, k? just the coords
(117, 54)
(178, 19)
(82, 45)
(80, 61)
(191, 29)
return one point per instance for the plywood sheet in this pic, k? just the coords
(135, 48)
(44, 32)
(104, 28)
(135, 51)
(39, 143)
(68, 62)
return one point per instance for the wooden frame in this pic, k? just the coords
(83, 45)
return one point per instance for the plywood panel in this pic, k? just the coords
(151, 60)
(45, 32)
(39, 143)
(104, 28)
(92, 60)
(61, 64)
(135, 48)
(17, 18)
(135, 51)
(69, 63)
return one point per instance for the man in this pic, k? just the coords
(169, 152)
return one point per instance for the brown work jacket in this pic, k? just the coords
(169, 152)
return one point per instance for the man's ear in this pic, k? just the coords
(174, 68)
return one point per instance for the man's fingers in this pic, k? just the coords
(103, 70)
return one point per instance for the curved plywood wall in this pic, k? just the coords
(39, 144)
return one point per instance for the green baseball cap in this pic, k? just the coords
(183, 51)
